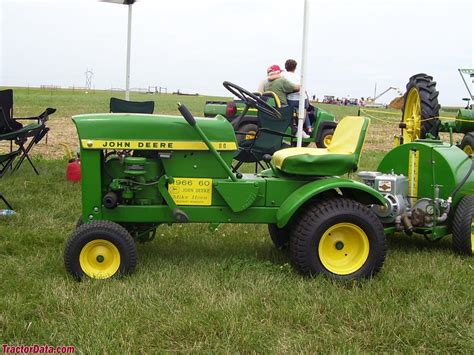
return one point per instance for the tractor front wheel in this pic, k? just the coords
(339, 238)
(463, 226)
(100, 250)
(280, 236)
(79, 222)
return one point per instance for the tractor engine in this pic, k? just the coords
(404, 211)
(131, 180)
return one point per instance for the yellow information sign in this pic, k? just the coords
(191, 191)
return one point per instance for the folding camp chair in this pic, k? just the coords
(268, 138)
(6, 160)
(5, 201)
(123, 106)
(14, 131)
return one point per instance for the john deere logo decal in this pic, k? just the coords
(153, 145)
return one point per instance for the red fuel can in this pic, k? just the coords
(73, 171)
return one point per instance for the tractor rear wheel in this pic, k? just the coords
(420, 113)
(467, 144)
(339, 238)
(325, 138)
(463, 226)
(100, 250)
(250, 129)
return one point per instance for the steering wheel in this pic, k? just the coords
(251, 99)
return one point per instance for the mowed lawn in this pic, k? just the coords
(223, 291)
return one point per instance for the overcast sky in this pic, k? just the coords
(195, 45)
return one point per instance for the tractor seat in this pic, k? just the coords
(340, 157)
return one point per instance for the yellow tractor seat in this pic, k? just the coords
(340, 157)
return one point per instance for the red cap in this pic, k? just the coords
(273, 68)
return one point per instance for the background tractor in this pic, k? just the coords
(245, 119)
(421, 112)
(464, 121)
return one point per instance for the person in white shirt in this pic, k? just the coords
(294, 98)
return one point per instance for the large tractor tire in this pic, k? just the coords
(467, 144)
(420, 113)
(463, 226)
(339, 238)
(100, 250)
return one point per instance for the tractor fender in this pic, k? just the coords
(237, 123)
(352, 189)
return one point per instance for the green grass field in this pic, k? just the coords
(225, 291)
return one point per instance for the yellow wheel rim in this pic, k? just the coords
(343, 248)
(472, 236)
(468, 150)
(327, 140)
(412, 116)
(250, 135)
(99, 259)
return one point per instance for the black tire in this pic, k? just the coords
(93, 238)
(247, 128)
(423, 87)
(280, 236)
(463, 226)
(467, 144)
(322, 142)
(79, 222)
(343, 218)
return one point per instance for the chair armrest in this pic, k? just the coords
(43, 117)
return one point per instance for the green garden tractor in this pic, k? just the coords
(140, 171)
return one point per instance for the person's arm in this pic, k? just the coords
(288, 87)
(273, 77)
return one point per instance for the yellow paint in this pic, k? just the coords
(413, 171)
(343, 248)
(275, 97)
(327, 140)
(468, 150)
(472, 236)
(99, 259)
(153, 145)
(412, 116)
(250, 135)
(191, 191)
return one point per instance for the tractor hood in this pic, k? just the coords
(151, 132)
